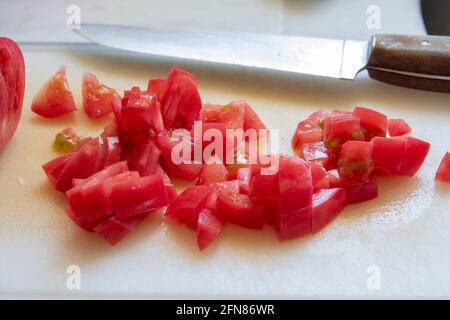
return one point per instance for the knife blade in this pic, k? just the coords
(321, 57)
(421, 62)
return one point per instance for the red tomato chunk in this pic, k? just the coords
(443, 172)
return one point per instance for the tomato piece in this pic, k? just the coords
(111, 128)
(295, 184)
(252, 120)
(373, 122)
(66, 140)
(144, 158)
(82, 163)
(12, 86)
(327, 204)
(210, 147)
(113, 230)
(387, 155)
(294, 224)
(209, 227)
(355, 160)
(108, 172)
(97, 97)
(315, 152)
(319, 176)
(111, 151)
(54, 167)
(180, 100)
(138, 196)
(414, 155)
(210, 112)
(318, 117)
(155, 86)
(213, 171)
(443, 172)
(334, 179)
(166, 143)
(307, 132)
(237, 208)
(85, 223)
(263, 186)
(243, 176)
(398, 127)
(186, 207)
(54, 98)
(231, 115)
(140, 112)
(340, 128)
(359, 191)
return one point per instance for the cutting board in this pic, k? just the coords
(401, 239)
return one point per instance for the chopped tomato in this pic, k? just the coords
(213, 171)
(12, 86)
(54, 98)
(155, 86)
(186, 207)
(145, 158)
(327, 204)
(355, 160)
(319, 176)
(306, 133)
(243, 176)
(237, 208)
(398, 127)
(97, 97)
(340, 128)
(166, 143)
(359, 191)
(209, 227)
(443, 172)
(315, 152)
(111, 151)
(251, 119)
(414, 155)
(140, 112)
(387, 155)
(180, 100)
(373, 122)
(113, 230)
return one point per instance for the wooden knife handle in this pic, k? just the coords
(419, 62)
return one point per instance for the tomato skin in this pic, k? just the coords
(238, 208)
(12, 86)
(54, 98)
(443, 172)
(355, 162)
(97, 97)
(387, 155)
(416, 151)
(372, 121)
(327, 204)
(208, 228)
(186, 207)
(398, 127)
(180, 100)
(361, 191)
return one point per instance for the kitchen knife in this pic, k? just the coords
(420, 62)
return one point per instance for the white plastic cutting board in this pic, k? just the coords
(405, 233)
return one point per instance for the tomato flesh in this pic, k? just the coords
(12, 86)
(208, 228)
(144, 158)
(398, 127)
(414, 155)
(97, 97)
(54, 98)
(443, 172)
(212, 172)
(387, 155)
(327, 204)
(373, 122)
(355, 160)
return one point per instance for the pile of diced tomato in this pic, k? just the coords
(114, 181)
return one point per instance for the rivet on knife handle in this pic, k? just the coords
(419, 62)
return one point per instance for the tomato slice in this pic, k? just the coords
(209, 227)
(355, 160)
(238, 208)
(443, 172)
(97, 97)
(12, 86)
(416, 151)
(180, 100)
(373, 122)
(398, 127)
(140, 112)
(186, 207)
(327, 204)
(54, 98)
